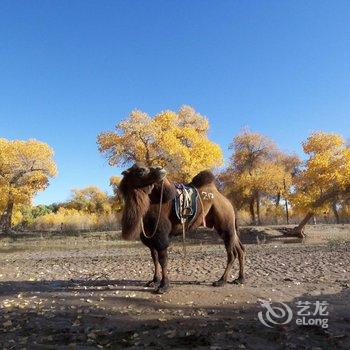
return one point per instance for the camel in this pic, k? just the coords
(149, 214)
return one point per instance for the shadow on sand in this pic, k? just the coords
(65, 317)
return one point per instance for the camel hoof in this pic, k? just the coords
(153, 283)
(219, 283)
(239, 280)
(161, 290)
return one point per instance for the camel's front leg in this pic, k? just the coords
(157, 269)
(163, 261)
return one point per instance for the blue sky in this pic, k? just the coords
(71, 69)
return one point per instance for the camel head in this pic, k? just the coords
(142, 177)
(136, 185)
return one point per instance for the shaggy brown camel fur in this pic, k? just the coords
(143, 188)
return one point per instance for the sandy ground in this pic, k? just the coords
(59, 296)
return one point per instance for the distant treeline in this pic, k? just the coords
(265, 185)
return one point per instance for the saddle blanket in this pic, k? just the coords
(185, 202)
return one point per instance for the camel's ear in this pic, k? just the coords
(125, 172)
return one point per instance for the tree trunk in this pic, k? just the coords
(278, 199)
(258, 207)
(252, 211)
(6, 218)
(325, 197)
(335, 212)
(299, 230)
(286, 201)
(287, 211)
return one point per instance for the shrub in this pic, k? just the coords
(75, 220)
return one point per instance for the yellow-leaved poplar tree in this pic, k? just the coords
(25, 169)
(257, 169)
(325, 177)
(91, 200)
(176, 140)
(117, 202)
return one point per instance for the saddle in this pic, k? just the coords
(185, 202)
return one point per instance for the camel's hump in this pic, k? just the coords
(203, 178)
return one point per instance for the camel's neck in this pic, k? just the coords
(136, 205)
(169, 192)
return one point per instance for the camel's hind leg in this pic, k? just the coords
(239, 248)
(231, 256)
(234, 249)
